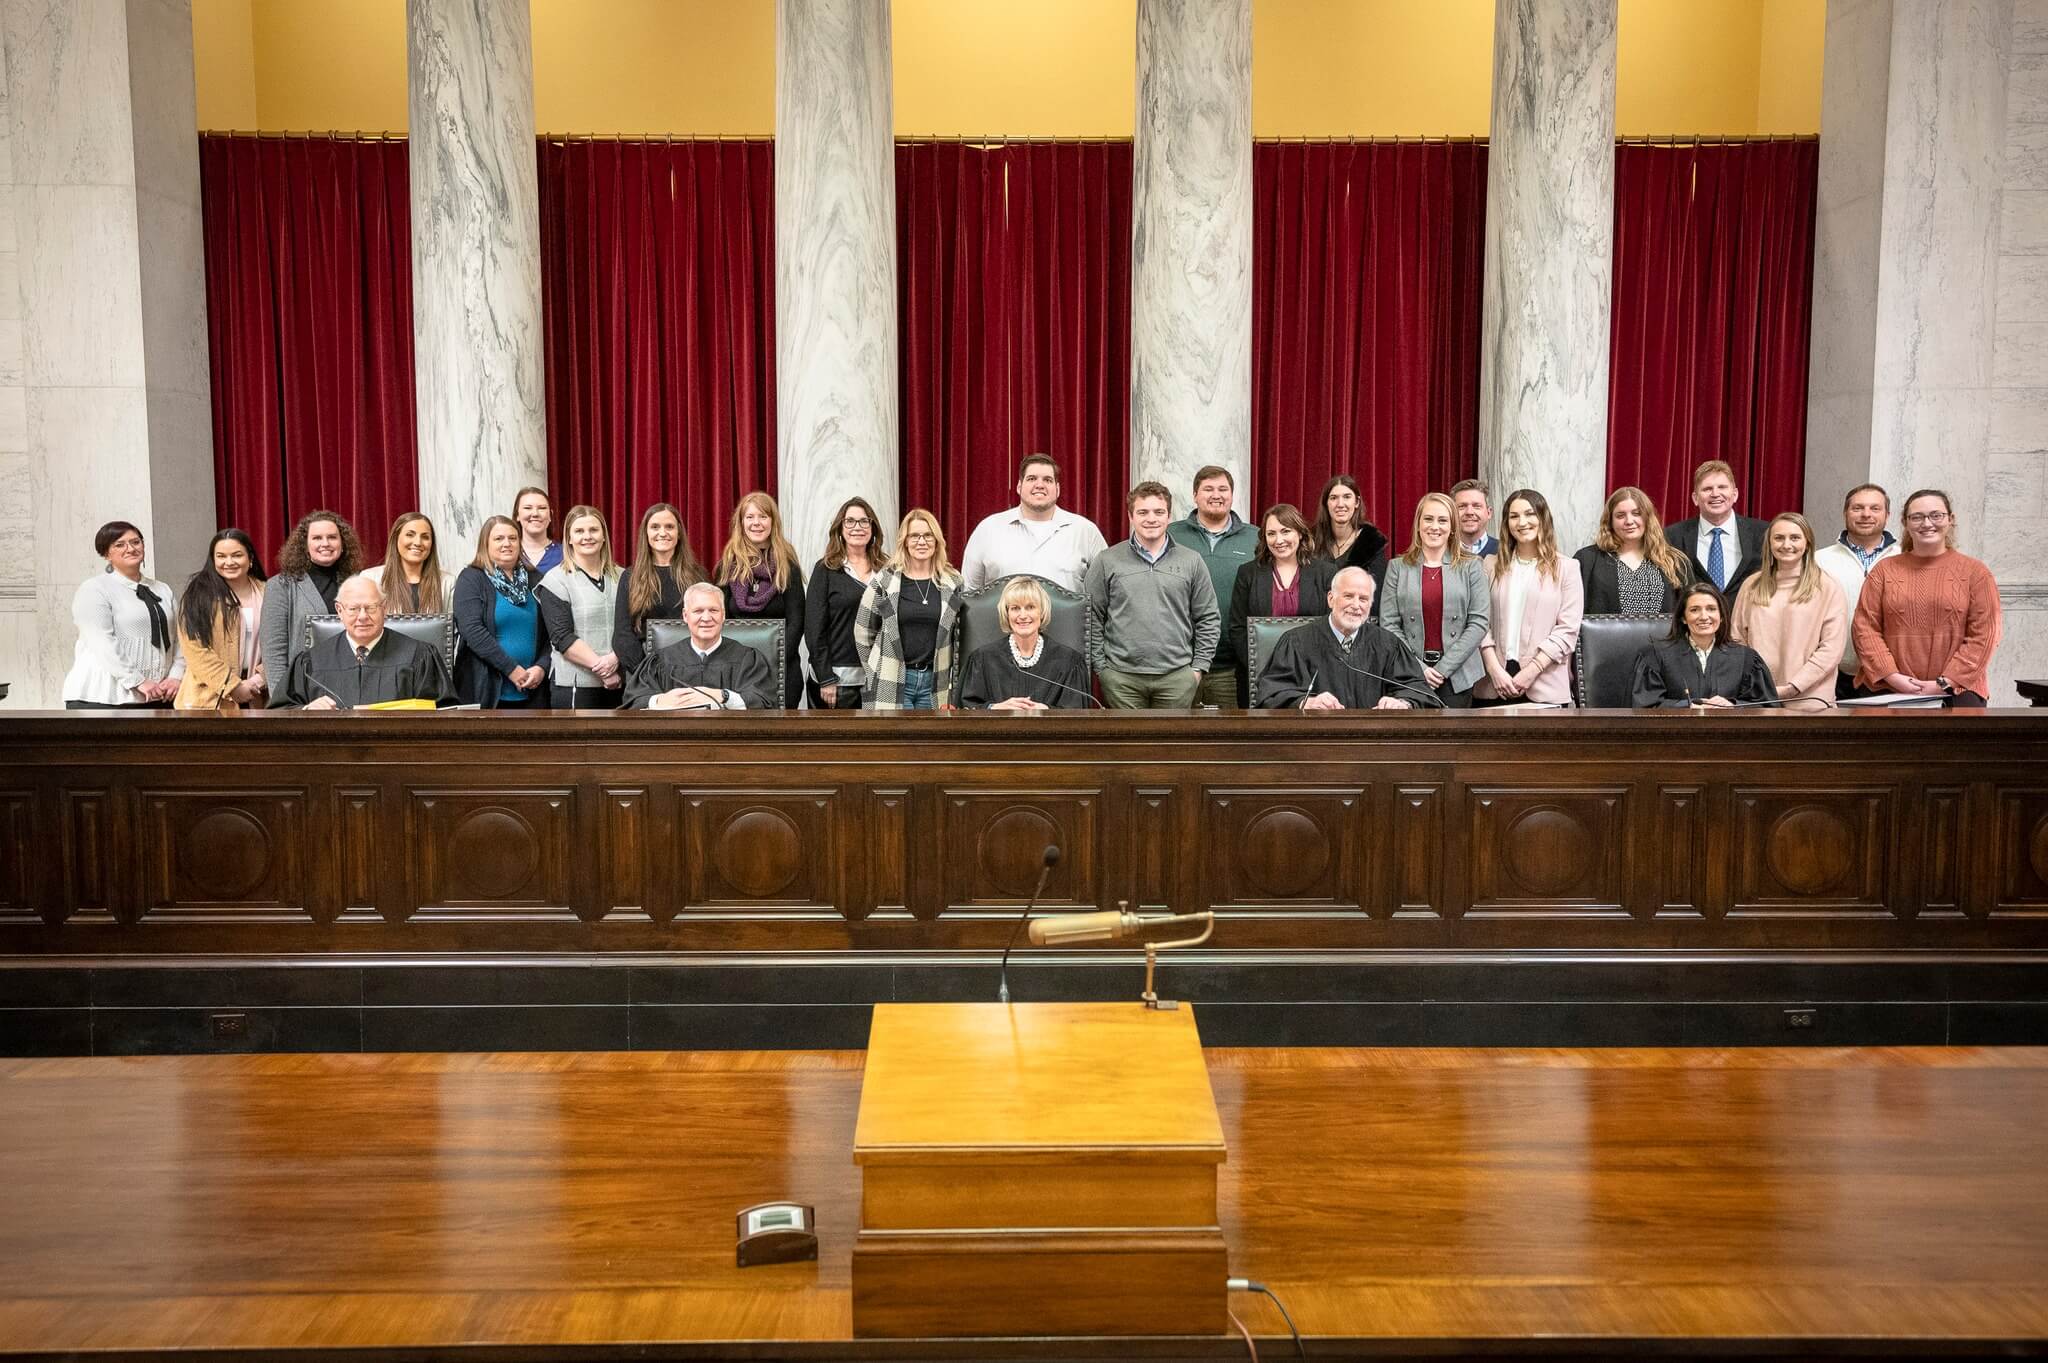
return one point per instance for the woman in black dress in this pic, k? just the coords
(1696, 664)
(1345, 536)
(663, 567)
(854, 549)
(1026, 671)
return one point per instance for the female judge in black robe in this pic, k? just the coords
(1696, 665)
(1026, 670)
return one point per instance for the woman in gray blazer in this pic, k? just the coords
(1437, 600)
(321, 554)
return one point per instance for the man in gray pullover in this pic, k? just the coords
(1153, 621)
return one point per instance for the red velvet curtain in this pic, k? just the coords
(1713, 312)
(1366, 279)
(658, 302)
(1014, 285)
(309, 332)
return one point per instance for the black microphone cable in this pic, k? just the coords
(1250, 1285)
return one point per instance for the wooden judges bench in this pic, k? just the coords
(610, 881)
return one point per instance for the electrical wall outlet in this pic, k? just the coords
(228, 1026)
(1800, 1017)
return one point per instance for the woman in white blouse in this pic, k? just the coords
(127, 655)
(1538, 602)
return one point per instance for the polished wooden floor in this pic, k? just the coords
(1400, 1201)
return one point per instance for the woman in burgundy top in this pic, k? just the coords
(1285, 577)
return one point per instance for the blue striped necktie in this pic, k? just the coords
(1717, 567)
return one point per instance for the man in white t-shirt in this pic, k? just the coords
(1035, 536)
(1864, 543)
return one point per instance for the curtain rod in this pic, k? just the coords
(338, 135)
(998, 139)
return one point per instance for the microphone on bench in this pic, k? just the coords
(1049, 859)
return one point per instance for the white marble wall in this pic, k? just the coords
(1191, 246)
(20, 621)
(477, 361)
(1930, 335)
(1544, 332)
(2016, 468)
(116, 417)
(835, 265)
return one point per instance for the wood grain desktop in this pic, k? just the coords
(1863, 1203)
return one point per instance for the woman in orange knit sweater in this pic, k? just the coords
(1928, 619)
(1794, 615)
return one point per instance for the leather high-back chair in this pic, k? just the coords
(435, 631)
(1263, 634)
(763, 634)
(981, 619)
(1604, 667)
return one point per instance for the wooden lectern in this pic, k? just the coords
(1037, 1169)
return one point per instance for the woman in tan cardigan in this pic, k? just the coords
(1795, 616)
(218, 615)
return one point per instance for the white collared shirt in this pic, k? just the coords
(1005, 544)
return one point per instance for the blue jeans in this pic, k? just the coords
(917, 689)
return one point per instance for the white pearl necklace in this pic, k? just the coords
(1023, 661)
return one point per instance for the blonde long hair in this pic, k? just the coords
(1546, 535)
(1763, 585)
(1656, 549)
(430, 571)
(942, 568)
(738, 560)
(608, 567)
(1454, 551)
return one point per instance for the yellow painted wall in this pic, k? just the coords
(1025, 68)
(1043, 68)
(655, 66)
(1386, 68)
(224, 63)
(1788, 68)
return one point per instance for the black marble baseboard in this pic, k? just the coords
(123, 1007)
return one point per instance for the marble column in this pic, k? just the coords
(105, 407)
(1930, 310)
(1191, 246)
(477, 361)
(1549, 257)
(835, 265)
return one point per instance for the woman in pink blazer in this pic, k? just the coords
(1537, 602)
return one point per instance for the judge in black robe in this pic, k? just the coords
(1669, 675)
(738, 676)
(396, 668)
(1058, 679)
(1311, 660)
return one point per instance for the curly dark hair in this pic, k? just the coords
(293, 561)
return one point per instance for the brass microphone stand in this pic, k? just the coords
(1152, 950)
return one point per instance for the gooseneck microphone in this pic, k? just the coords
(1049, 860)
(1085, 695)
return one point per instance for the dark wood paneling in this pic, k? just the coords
(19, 857)
(2020, 851)
(1547, 852)
(749, 851)
(224, 856)
(1820, 852)
(994, 841)
(810, 833)
(1281, 849)
(500, 855)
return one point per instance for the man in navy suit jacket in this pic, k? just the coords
(1741, 538)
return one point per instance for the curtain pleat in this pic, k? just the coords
(1366, 280)
(309, 332)
(1014, 313)
(1713, 318)
(658, 306)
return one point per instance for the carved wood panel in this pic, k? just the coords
(758, 853)
(2020, 851)
(1415, 852)
(1154, 851)
(89, 854)
(1811, 852)
(993, 843)
(884, 852)
(629, 890)
(359, 815)
(1677, 853)
(225, 856)
(494, 855)
(1548, 852)
(19, 858)
(1942, 830)
(1276, 849)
